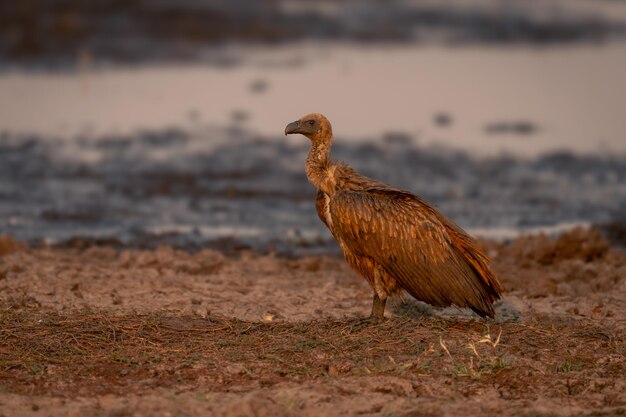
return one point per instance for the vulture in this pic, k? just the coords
(393, 238)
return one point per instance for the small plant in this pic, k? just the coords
(290, 404)
(501, 362)
(444, 347)
(569, 366)
(425, 366)
(468, 371)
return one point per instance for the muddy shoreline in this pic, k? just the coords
(232, 190)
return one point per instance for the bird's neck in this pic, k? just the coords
(318, 165)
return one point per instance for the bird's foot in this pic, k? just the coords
(375, 319)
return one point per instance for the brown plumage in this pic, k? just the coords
(394, 239)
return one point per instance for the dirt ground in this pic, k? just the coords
(97, 331)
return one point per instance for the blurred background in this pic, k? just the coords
(149, 122)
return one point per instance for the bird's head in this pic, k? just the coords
(314, 126)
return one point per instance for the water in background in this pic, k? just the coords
(508, 115)
(245, 191)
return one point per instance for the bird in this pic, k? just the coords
(393, 238)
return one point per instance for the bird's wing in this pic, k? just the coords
(414, 244)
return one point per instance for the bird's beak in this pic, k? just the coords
(292, 127)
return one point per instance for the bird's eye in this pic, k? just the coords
(311, 122)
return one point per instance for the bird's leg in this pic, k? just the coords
(378, 308)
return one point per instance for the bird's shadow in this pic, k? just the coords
(506, 310)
